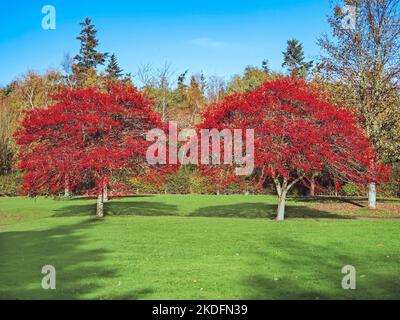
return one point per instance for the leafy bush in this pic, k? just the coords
(141, 186)
(198, 184)
(350, 189)
(178, 182)
(10, 184)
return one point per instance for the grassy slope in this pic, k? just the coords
(177, 247)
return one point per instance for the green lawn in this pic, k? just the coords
(198, 247)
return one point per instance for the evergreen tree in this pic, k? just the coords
(88, 56)
(202, 82)
(293, 59)
(181, 79)
(265, 66)
(113, 70)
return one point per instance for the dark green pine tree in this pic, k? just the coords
(293, 59)
(181, 79)
(113, 70)
(88, 56)
(265, 66)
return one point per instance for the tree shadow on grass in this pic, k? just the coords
(351, 200)
(140, 208)
(241, 210)
(120, 208)
(91, 197)
(261, 210)
(80, 271)
(311, 271)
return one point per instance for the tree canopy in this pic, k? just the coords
(297, 131)
(85, 138)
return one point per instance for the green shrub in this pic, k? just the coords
(143, 187)
(198, 184)
(10, 184)
(178, 182)
(350, 189)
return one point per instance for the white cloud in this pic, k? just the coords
(209, 43)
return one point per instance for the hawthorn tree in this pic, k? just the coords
(296, 132)
(85, 138)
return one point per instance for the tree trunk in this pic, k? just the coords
(100, 206)
(372, 196)
(280, 216)
(164, 107)
(312, 187)
(66, 187)
(282, 190)
(105, 194)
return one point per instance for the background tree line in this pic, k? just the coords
(359, 68)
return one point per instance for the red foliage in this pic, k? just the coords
(297, 132)
(84, 138)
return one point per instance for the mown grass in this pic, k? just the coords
(198, 247)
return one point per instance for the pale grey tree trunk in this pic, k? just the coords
(100, 206)
(164, 108)
(281, 207)
(282, 190)
(66, 187)
(372, 195)
(105, 194)
(312, 184)
(312, 188)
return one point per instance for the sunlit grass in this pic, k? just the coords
(196, 247)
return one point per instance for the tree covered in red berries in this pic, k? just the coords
(84, 138)
(296, 132)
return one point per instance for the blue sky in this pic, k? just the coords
(216, 37)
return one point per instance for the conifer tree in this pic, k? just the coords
(113, 70)
(265, 66)
(88, 56)
(181, 79)
(293, 59)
